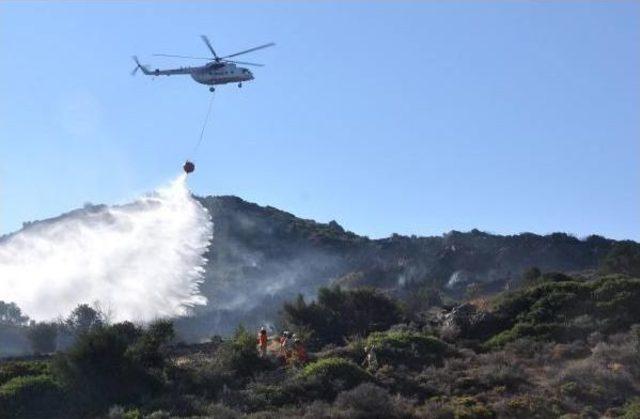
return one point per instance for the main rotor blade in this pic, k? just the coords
(243, 63)
(206, 41)
(182, 56)
(270, 44)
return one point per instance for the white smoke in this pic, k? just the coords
(139, 261)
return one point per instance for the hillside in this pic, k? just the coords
(262, 256)
(557, 347)
(464, 325)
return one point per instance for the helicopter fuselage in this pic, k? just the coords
(215, 73)
(219, 70)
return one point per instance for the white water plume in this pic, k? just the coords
(139, 261)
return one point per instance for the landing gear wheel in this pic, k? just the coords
(239, 84)
(212, 89)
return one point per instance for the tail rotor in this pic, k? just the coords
(137, 67)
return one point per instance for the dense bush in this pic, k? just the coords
(566, 310)
(409, 348)
(239, 354)
(498, 369)
(31, 397)
(329, 376)
(528, 406)
(11, 370)
(471, 374)
(148, 350)
(562, 347)
(609, 376)
(367, 401)
(464, 407)
(631, 409)
(112, 365)
(338, 314)
(624, 258)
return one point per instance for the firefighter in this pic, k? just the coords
(262, 342)
(370, 360)
(284, 339)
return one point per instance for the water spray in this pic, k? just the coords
(140, 260)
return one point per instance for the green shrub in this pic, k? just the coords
(240, 355)
(338, 314)
(328, 376)
(499, 369)
(148, 351)
(118, 412)
(565, 310)
(631, 409)
(366, 401)
(464, 407)
(272, 395)
(527, 406)
(22, 368)
(624, 257)
(111, 365)
(33, 396)
(409, 348)
(219, 411)
(589, 381)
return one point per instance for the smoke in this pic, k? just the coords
(139, 261)
(458, 278)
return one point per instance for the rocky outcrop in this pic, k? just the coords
(468, 322)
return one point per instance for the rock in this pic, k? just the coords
(467, 321)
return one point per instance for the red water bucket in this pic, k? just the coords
(189, 167)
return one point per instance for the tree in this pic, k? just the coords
(240, 355)
(84, 318)
(114, 364)
(148, 350)
(42, 337)
(624, 258)
(11, 315)
(338, 314)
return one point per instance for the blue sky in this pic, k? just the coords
(414, 118)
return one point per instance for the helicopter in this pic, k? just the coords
(220, 70)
